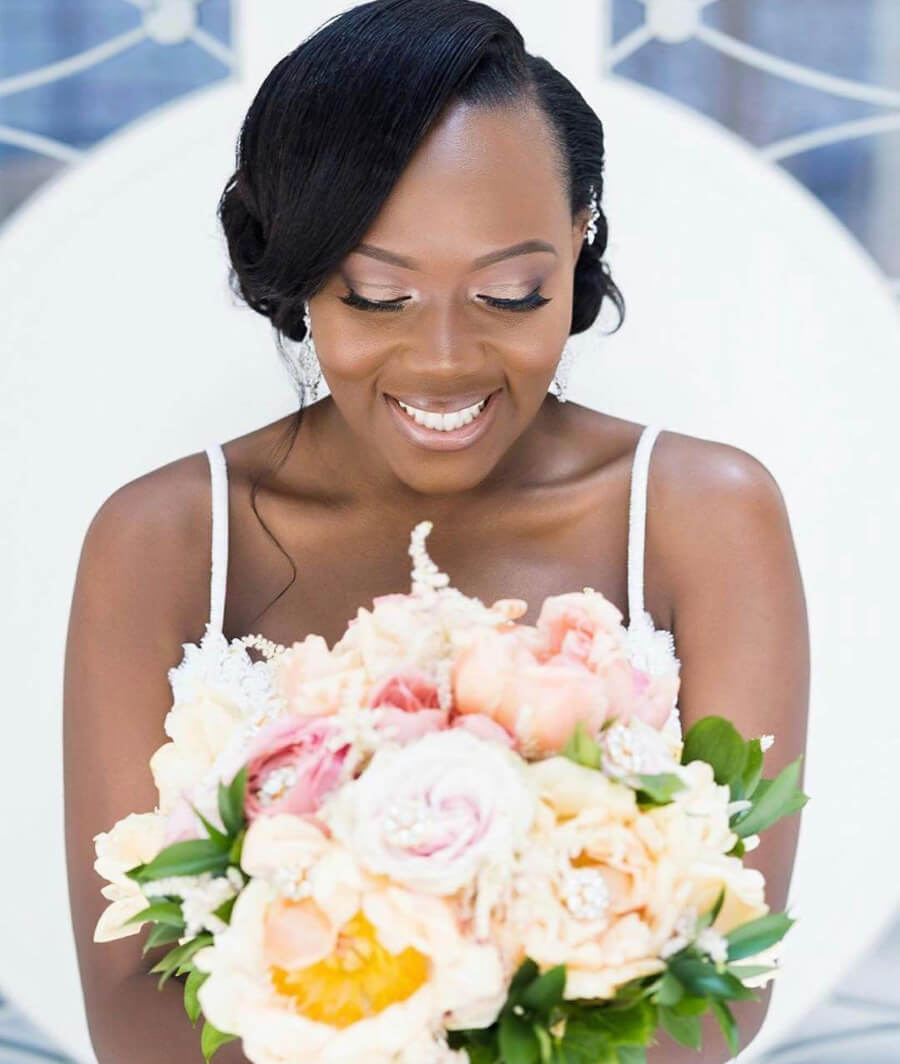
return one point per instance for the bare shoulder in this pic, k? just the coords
(154, 530)
(711, 502)
(692, 469)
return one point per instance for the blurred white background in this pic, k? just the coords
(753, 196)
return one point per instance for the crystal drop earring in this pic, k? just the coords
(560, 380)
(309, 359)
(559, 384)
(303, 363)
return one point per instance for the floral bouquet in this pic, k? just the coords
(449, 838)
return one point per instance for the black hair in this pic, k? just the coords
(336, 121)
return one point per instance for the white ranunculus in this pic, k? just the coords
(432, 814)
(135, 839)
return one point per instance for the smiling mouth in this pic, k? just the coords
(450, 431)
(446, 421)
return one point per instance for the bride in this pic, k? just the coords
(416, 210)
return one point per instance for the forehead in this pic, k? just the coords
(480, 178)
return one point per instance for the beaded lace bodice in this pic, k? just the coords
(225, 667)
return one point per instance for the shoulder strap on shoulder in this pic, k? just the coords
(219, 568)
(637, 522)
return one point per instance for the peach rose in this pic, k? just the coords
(537, 697)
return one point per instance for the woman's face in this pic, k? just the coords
(460, 290)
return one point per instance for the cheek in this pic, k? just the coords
(348, 354)
(533, 349)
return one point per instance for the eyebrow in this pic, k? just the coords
(523, 248)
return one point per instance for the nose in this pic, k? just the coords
(447, 343)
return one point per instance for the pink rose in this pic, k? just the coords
(409, 703)
(409, 689)
(410, 706)
(581, 627)
(290, 767)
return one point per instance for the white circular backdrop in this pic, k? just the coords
(753, 318)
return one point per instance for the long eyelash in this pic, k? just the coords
(353, 299)
(531, 302)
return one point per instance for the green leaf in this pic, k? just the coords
(632, 1026)
(518, 1042)
(704, 980)
(670, 990)
(179, 955)
(738, 850)
(753, 768)
(546, 991)
(234, 854)
(231, 802)
(717, 741)
(479, 1042)
(773, 800)
(582, 749)
(691, 1005)
(161, 934)
(545, 1043)
(211, 1039)
(224, 910)
(631, 1054)
(727, 1022)
(526, 973)
(686, 1030)
(479, 1054)
(582, 1045)
(756, 935)
(747, 971)
(192, 984)
(708, 918)
(163, 912)
(187, 858)
(661, 786)
(217, 836)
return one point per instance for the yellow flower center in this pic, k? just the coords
(360, 978)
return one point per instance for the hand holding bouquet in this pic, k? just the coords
(450, 837)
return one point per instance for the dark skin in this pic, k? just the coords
(536, 507)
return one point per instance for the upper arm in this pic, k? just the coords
(138, 589)
(740, 620)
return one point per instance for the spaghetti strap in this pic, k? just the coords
(637, 522)
(219, 565)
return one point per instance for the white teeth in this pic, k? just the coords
(445, 422)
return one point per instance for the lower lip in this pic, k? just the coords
(434, 439)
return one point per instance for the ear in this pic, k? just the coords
(579, 229)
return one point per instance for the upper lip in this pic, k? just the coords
(443, 406)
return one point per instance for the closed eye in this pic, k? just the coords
(532, 301)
